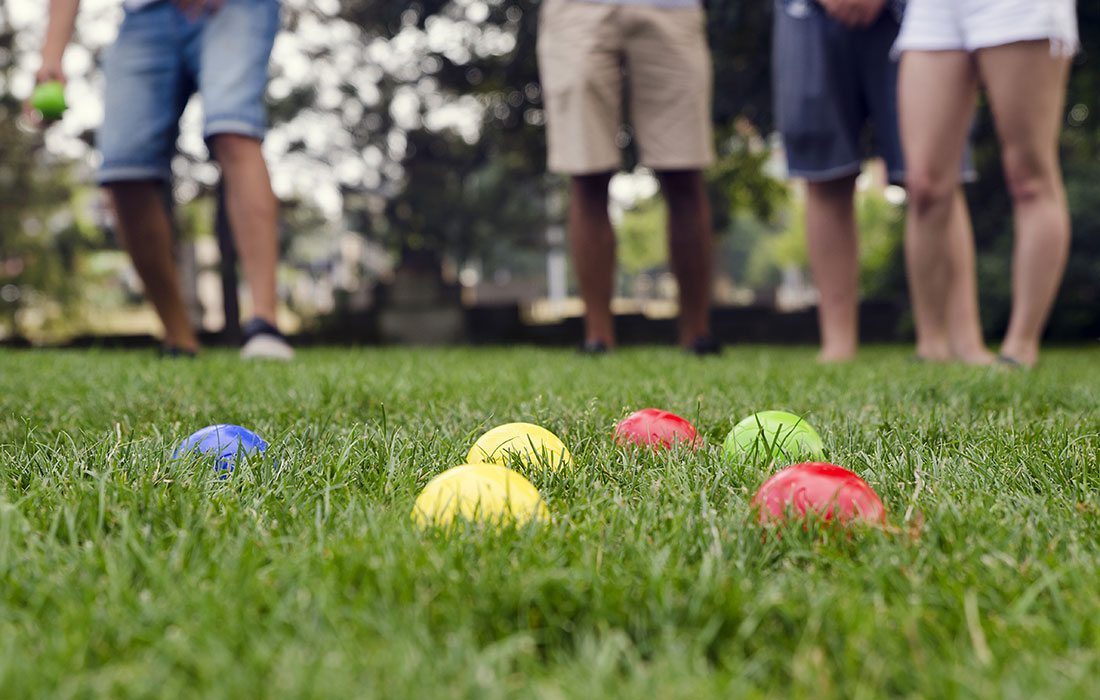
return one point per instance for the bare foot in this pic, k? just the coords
(934, 352)
(184, 340)
(1011, 363)
(978, 358)
(1023, 354)
(938, 358)
(829, 357)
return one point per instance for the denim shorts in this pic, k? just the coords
(836, 93)
(833, 85)
(160, 59)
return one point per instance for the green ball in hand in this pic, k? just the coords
(776, 435)
(49, 99)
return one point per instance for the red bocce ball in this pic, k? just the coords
(652, 427)
(829, 491)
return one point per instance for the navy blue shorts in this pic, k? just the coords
(835, 92)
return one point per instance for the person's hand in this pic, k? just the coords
(50, 70)
(195, 8)
(857, 14)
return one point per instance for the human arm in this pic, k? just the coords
(59, 31)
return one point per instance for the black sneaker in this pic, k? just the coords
(705, 346)
(263, 341)
(594, 347)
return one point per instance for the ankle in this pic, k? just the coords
(1024, 353)
(934, 350)
(186, 342)
(267, 316)
(973, 354)
(259, 325)
(692, 334)
(833, 350)
(599, 330)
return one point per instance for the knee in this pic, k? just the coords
(1028, 176)
(590, 190)
(123, 194)
(831, 195)
(685, 192)
(233, 149)
(929, 190)
(681, 183)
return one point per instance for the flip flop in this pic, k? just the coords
(1011, 363)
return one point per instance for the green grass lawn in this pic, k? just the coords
(123, 574)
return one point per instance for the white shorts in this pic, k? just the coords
(969, 25)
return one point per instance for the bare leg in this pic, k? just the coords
(691, 245)
(964, 325)
(1027, 89)
(834, 261)
(146, 233)
(936, 95)
(253, 215)
(593, 244)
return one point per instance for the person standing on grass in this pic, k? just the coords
(165, 52)
(1020, 51)
(834, 78)
(592, 54)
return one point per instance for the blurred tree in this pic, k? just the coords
(741, 40)
(882, 260)
(641, 236)
(41, 233)
(738, 186)
(881, 227)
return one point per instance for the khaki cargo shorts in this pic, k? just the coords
(589, 53)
